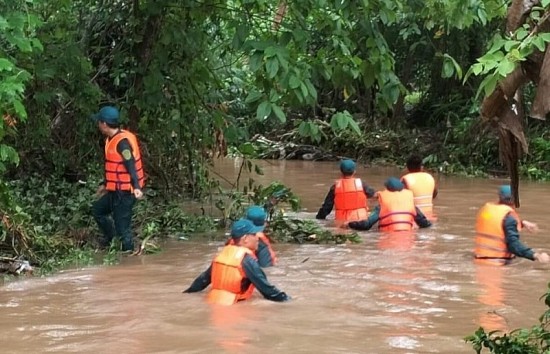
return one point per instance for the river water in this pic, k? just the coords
(417, 294)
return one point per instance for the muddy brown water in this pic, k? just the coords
(419, 294)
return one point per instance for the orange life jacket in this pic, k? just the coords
(263, 237)
(490, 242)
(422, 184)
(350, 200)
(397, 211)
(228, 276)
(116, 175)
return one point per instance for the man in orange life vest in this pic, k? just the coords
(235, 272)
(396, 210)
(123, 182)
(266, 255)
(497, 233)
(348, 196)
(422, 184)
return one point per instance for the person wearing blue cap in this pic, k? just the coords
(395, 211)
(265, 253)
(235, 272)
(123, 183)
(497, 232)
(348, 196)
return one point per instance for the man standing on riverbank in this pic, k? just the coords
(497, 233)
(348, 196)
(124, 180)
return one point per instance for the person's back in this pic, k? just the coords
(397, 210)
(350, 200)
(422, 184)
(229, 285)
(348, 196)
(490, 241)
(497, 233)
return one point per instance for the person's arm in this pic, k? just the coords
(369, 191)
(515, 246)
(125, 150)
(264, 254)
(201, 282)
(421, 219)
(327, 206)
(366, 224)
(257, 277)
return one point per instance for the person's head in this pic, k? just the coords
(414, 163)
(505, 195)
(257, 215)
(243, 233)
(347, 167)
(108, 119)
(393, 184)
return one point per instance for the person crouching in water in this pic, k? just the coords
(497, 233)
(235, 272)
(396, 210)
(348, 196)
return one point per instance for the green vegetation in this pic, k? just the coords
(198, 79)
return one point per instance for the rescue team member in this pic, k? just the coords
(422, 184)
(265, 253)
(497, 233)
(235, 272)
(348, 196)
(395, 210)
(123, 182)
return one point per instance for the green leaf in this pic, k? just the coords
(6, 65)
(255, 61)
(354, 126)
(279, 113)
(539, 43)
(253, 96)
(521, 33)
(506, 67)
(263, 111)
(20, 109)
(272, 67)
(544, 3)
(545, 36)
(247, 149)
(311, 89)
(294, 82)
(303, 87)
(447, 70)
(270, 52)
